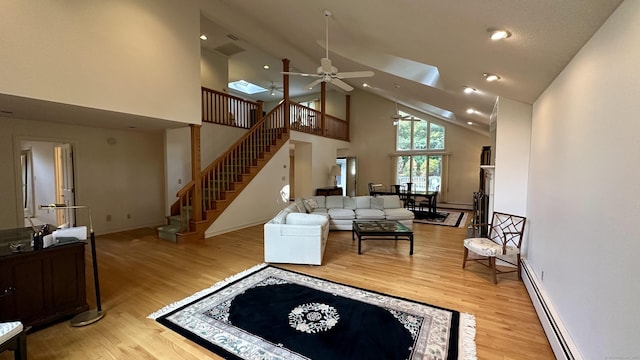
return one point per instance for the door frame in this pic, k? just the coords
(18, 141)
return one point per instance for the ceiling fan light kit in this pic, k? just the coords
(328, 73)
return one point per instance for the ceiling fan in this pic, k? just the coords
(397, 117)
(328, 73)
(273, 88)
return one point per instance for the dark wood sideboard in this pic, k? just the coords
(39, 287)
(329, 191)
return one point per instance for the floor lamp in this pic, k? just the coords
(89, 316)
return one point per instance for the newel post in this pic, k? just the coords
(196, 172)
(259, 110)
(285, 92)
(323, 109)
(348, 115)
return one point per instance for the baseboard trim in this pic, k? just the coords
(457, 206)
(561, 343)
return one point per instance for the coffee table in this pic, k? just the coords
(381, 230)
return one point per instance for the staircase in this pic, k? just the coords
(203, 199)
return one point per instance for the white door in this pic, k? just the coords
(65, 188)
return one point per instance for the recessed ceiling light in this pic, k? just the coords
(469, 90)
(471, 110)
(491, 77)
(365, 85)
(469, 123)
(499, 34)
(266, 67)
(203, 37)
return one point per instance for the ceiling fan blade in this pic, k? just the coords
(341, 84)
(326, 65)
(354, 74)
(314, 83)
(300, 74)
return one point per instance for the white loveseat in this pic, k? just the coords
(298, 233)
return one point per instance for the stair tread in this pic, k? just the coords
(169, 228)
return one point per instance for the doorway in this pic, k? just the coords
(47, 178)
(348, 175)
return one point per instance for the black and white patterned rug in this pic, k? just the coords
(271, 313)
(442, 217)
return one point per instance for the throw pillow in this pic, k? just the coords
(280, 217)
(310, 204)
(300, 205)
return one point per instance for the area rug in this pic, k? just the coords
(444, 217)
(270, 313)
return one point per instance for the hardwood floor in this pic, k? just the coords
(139, 274)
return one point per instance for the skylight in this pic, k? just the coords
(246, 87)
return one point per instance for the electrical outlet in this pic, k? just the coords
(179, 181)
(108, 217)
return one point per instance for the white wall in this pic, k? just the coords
(125, 177)
(315, 155)
(214, 70)
(137, 57)
(513, 142)
(373, 143)
(260, 200)
(303, 169)
(584, 189)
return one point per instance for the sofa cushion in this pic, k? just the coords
(398, 214)
(320, 199)
(334, 201)
(391, 201)
(370, 214)
(349, 203)
(363, 202)
(305, 219)
(377, 203)
(342, 214)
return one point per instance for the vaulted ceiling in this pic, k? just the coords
(399, 39)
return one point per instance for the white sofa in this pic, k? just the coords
(298, 233)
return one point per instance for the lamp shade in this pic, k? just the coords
(335, 170)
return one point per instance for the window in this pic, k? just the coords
(418, 134)
(420, 147)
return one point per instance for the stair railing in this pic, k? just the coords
(308, 120)
(224, 109)
(220, 177)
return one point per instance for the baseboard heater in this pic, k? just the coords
(559, 339)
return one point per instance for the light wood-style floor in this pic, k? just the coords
(139, 274)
